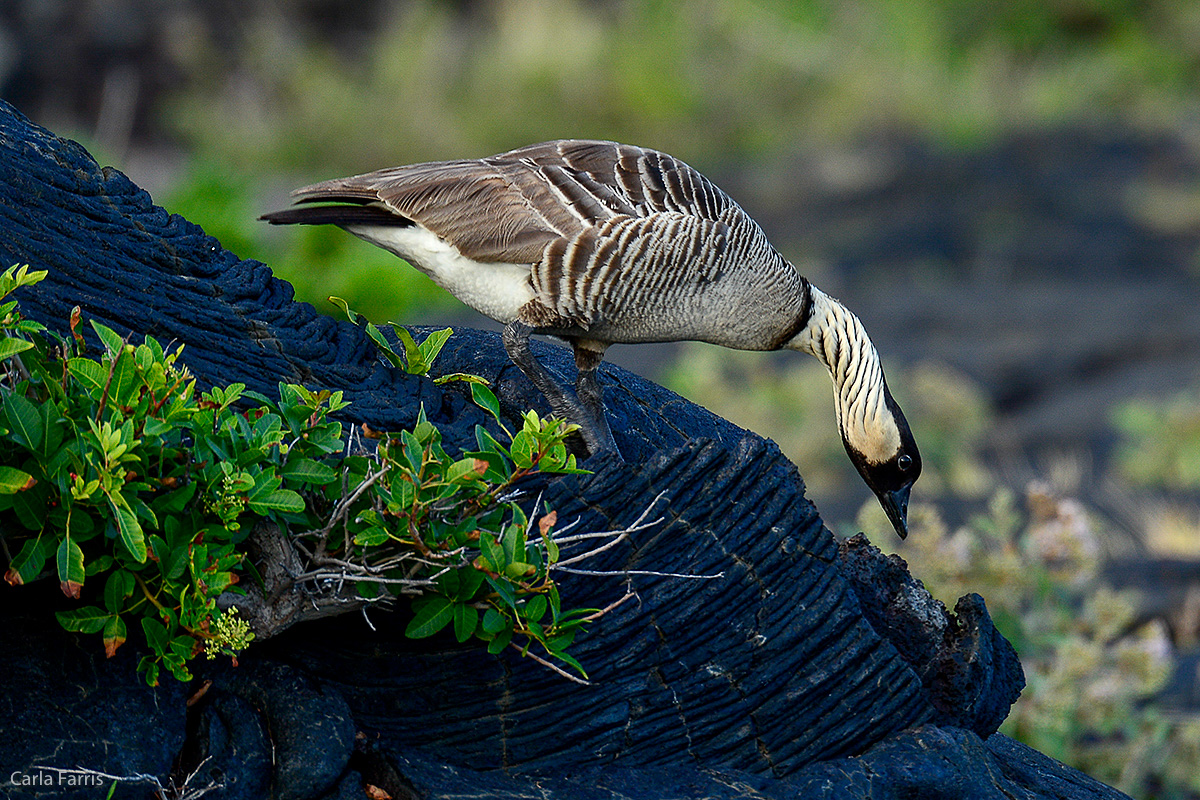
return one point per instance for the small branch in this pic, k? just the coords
(592, 553)
(343, 507)
(620, 573)
(609, 607)
(342, 576)
(639, 524)
(170, 792)
(550, 666)
(137, 777)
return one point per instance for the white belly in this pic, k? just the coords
(494, 290)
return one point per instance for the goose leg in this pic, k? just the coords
(565, 403)
(588, 355)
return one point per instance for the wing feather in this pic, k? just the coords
(510, 207)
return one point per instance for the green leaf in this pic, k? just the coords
(466, 618)
(412, 352)
(466, 470)
(143, 356)
(88, 372)
(494, 622)
(28, 563)
(69, 562)
(284, 500)
(88, 619)
(114, 635)
(469, 581)
(492, 551)
(353, 316)
(551, 549)
(522, 449)
(556, 644)
(385, 347)
(566, 657)
(17, 276)
(156, 427)
(371, 537)
(130, 531)
(144, 512)
(485, 398)
(24, 421)
(306, 470)
(30, 506)
(124, 380)
(10, 346)
(112, 342)
(519, 569)
(505, 590)
(488, 442)
(54, 428)
(433, 345)
(97, 566)
(150, 667)
(181, 646)
(176, 501)
(535, 608)
(500, 641)
(497, 466)
(465, 377)
(14, 480)
(157, 635)
(263, 483)
(431, 615)
(514, 539)
(117, 589)
(414, 452)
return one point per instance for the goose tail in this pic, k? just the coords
(341, 215)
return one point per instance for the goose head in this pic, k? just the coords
(882, 448)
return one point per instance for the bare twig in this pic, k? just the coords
(621, 573)
(639, 524)
(343, 506)
(550, 666)
(609, 607)
(169, 792)
(622, 535)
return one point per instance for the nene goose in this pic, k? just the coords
(598, 242)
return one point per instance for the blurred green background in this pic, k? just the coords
(1007, 193)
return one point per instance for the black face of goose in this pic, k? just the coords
(891, 480)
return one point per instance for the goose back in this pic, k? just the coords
(623, 243)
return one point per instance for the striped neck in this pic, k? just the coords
(836, 338)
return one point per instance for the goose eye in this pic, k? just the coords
(904, 462)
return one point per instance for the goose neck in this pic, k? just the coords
(836, 338)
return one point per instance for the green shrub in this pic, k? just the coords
(144, 498)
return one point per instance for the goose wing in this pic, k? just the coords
(508, 208)
(623, 179)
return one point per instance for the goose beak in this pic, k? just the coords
(896, 505)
